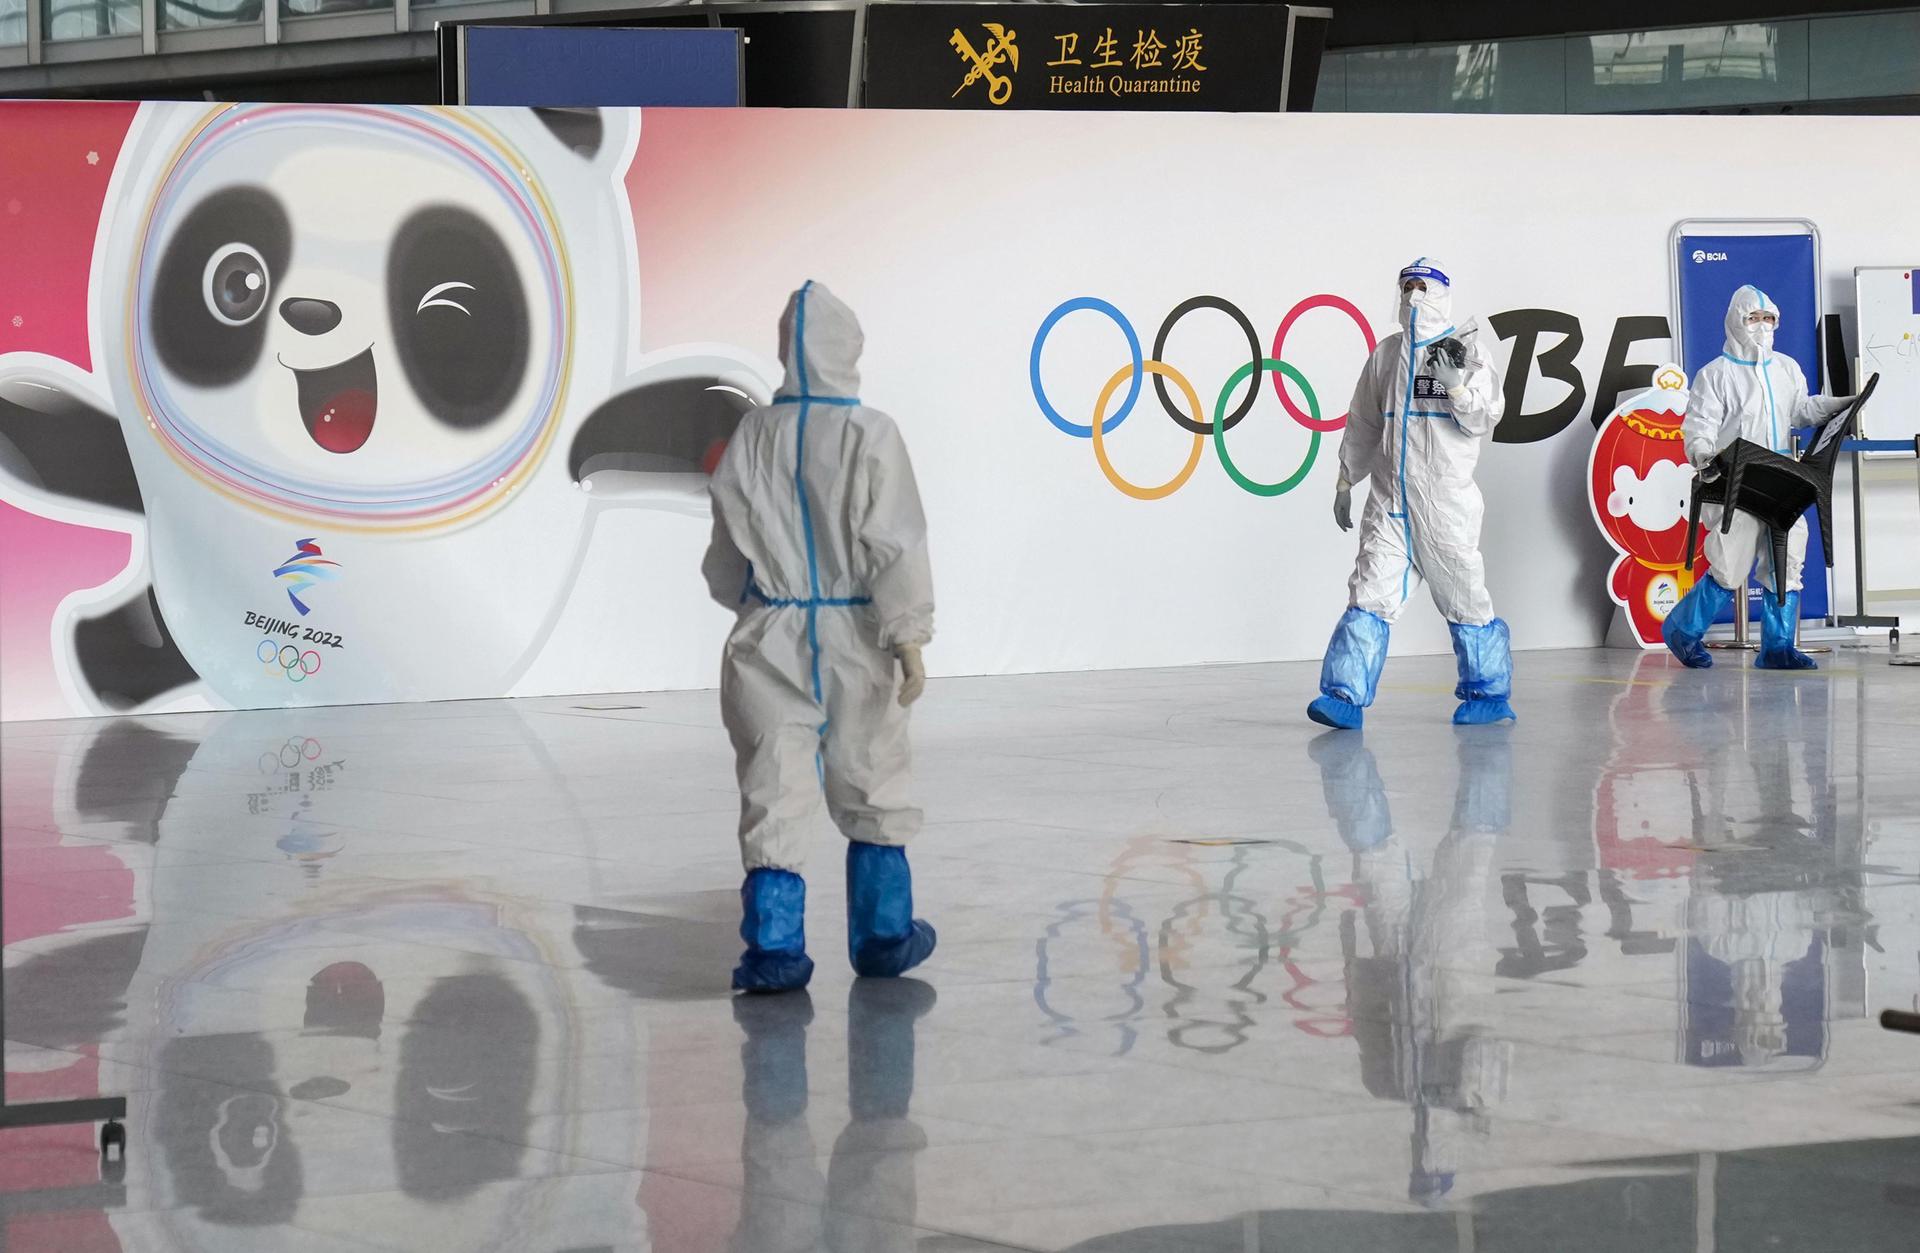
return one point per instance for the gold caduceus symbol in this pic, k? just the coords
(1000, 47)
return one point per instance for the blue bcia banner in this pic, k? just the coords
(1712, 268)
(600, 66)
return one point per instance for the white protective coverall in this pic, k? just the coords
(1420, 447)
(1749, 392)
(820, 544)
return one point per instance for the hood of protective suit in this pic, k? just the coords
(1431, 311)
(820, 343)
(1749, 343)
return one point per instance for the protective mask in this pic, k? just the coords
(1424, 313)
(1762, 337)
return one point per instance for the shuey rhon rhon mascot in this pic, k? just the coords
(1641, 489)
(362, 380)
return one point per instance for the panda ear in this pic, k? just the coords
(580, 131)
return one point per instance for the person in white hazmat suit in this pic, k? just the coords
(820, 545)
(1747, 392)
(1426, 399)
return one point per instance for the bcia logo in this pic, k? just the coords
(1701, 254)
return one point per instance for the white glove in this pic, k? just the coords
(913, 673)
(1445, 372)
(1343, 503)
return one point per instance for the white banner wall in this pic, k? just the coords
(955, 236)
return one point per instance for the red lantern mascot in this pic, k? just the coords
(1640, 487)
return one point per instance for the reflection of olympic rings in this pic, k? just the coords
(1139, 366)
(290, 754)
(288, 660)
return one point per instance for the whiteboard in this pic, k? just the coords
(1887, 300)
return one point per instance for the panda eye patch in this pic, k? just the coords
(457, 307)
(214, 279)
(436, 297)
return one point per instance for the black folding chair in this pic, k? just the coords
(1778, 489)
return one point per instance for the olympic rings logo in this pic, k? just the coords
(1139, 366)
(288, 660)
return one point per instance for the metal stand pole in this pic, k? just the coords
(1908, 659)
(1860, 617)
(1809, 648)
(1741, 640)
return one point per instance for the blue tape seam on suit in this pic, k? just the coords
(806, 400)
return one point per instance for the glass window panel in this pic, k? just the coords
(312, 8)
(86, 19)
(1400, 80)
(1512, 76)
(13, 23)
(1869, 54)
(193, 14)
(1330, 94)
(1702, 67)
(1502, 76)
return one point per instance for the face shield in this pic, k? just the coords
(1425, 299)
(1752, 320)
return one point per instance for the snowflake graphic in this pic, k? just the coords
(19, 321)
(93, 158)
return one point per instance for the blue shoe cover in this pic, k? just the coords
(1687, 625)
(1331, 711)
(1478, 713)
(1484, 660)
(1429, 1187)
(773, 922)
(884, 939)
(1350, 672)
(1483, 657)
(1776, 636)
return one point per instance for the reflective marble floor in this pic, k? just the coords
(454, 976)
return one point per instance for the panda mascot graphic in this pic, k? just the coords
(363, 379)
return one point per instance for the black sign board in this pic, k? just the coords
(1228, 57)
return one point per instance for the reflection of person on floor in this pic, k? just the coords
(780, 1210)
(869, 1199)
(872, 1190)
(1766, 883)
(820, 546)
(1425, 932)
